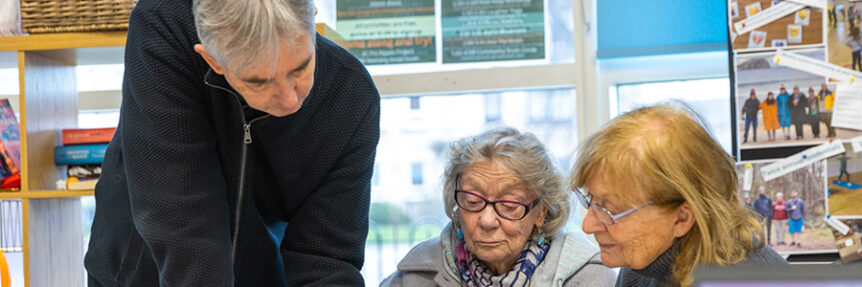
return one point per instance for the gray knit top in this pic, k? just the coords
(658, 273)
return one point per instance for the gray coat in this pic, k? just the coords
(572, 260)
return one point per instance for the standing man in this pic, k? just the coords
(784, 112)
(796, 213)
(813, 110)
(843, 160)
(243, 155)
(763, 206)
(798, 106)
(827, 99)
(749, 115)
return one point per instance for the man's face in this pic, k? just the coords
(277, 88)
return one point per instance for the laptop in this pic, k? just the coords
(774, 276)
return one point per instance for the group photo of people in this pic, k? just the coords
(844, 34)
(845, 185)
(780, 106)
(791, 208)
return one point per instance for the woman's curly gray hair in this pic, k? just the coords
(523, 156)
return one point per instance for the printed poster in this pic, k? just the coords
(479, 31)
(388, 32)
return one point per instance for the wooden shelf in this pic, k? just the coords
(57, 41)
(45, 194)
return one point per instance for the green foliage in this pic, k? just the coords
(385, 213)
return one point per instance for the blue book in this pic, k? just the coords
(80, 154)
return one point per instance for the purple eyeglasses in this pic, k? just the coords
(511, 210)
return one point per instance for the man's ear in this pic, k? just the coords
(315, 10)
(210, 60)
(684, 220)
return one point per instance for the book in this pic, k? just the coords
(81, 185)
(84, 171)
(80, 154)
(7, 166)
(10, 135)
(87, 136)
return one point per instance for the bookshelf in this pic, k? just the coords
(48, 100)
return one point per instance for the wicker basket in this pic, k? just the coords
(55, 16)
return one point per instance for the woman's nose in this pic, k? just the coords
(591, 223)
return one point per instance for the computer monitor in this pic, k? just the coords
(772, 276)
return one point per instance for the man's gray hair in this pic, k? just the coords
(238, 33)
(523, 156)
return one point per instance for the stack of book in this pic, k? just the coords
(83, 150)
(10, 148)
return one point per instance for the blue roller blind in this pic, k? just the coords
(628, 28)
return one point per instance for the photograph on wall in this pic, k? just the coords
(781, 106)
(394, 32)
(844, 193)
(480, 31)
(849, 244)
(791, 208)
(844, 36)
(800, 28)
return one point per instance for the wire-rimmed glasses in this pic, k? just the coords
(604, 215)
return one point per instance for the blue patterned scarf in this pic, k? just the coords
(474, 273)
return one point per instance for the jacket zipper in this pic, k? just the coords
(246, 125)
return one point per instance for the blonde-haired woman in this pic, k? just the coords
(662, 199)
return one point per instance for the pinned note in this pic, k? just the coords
(837, 225)
(801, 159)
(748, 178)
(815, 66)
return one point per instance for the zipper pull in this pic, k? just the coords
(247, 138)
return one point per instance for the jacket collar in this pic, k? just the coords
(569, 252)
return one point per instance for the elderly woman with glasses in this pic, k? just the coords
(507, 206)
(661, 198)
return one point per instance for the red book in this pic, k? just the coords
(87, 136)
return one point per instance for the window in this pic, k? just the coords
(375, 177)
(424, 144)
(414, 103)
(551, 108)
(709, 97)
(492, 108)
(416, 173)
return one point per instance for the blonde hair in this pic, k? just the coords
(523, 156)
(238, 33)
(661, 153)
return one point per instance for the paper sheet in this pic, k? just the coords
(856, 143)
(847, 112)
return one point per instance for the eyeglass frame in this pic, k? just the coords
(587, 203)
(527, 206)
